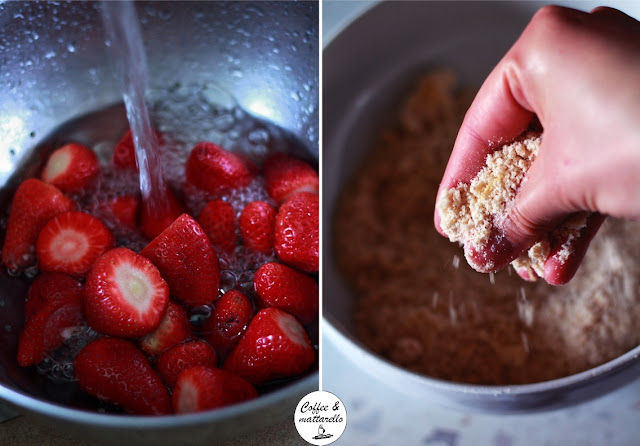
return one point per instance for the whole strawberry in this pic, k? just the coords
(285, 176)
(257, 224)
(184, 356)
(156, 215)
(218, 220)
(71, 167)
(124, 294)
(203, 388)
(71, 242)
(216, 170)
(34, 204)
(297, 232)
(229, 319)
(292, 291)
(274, 346)
(116, 371)
(184, 255)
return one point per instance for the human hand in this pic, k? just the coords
(579, 74)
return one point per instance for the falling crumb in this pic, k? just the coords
(507, 331)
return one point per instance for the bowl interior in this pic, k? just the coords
(361, 94)
(56, 67)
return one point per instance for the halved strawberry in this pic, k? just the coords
(124, 155)
(173, 329)
(51, 287)
(70, 242)
(124, 294)
(285, 176)
(257, 225)
(297, 232)
(184, 356)
(274, 346)
(48, 329)
(203, 388)
(71, 167)
(34, 204)
(229, 319)
(292, 291)
(116, 371)
(184, 255)
(216, 170)
(155, 217)
(218, 221)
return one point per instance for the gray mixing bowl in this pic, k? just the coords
(54, 66)
(367, 68)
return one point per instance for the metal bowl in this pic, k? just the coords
(55, 67)
(367, 68)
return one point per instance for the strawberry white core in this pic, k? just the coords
(69, 246)
(189, 395)
(57, 164)
(135, 287)
(291, 328)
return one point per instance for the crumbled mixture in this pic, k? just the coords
(419, 306)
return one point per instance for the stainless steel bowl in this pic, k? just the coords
(367, 68)
(54, 66)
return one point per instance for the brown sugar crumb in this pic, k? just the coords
(420, 307)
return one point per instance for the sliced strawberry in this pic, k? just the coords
(184, 356)
(124, 155)
(155, 219)
(116, 371)
(184, 255)
(34, 204)
(124, 294)
(285, 176)
(203, 388)
(71, 167)
(174, 329)
(51, 287)
(292, 291)
(297, 232)
(47, 330)
(257, 225)
(274, 346)
(228, 321)
(216, 170)
(70, 242)
(125, 210)
(218, 221)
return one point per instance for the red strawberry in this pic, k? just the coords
(228, 321)
(203, 388)
(296, 235)
(48, 329)
(71, 167)
(218, 221)
(290, 290)
(70, 242)
(216, 170)
(285, 176)
(124, 155)
(116, 371)
(124, 294)
(125, 210)
(174, 329)
(184, 356)
(154, 220)
(257, 224)
(184, 255)
(275, 345)
(34, 204)
(51, 287)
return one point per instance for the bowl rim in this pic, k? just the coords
(22, 401)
